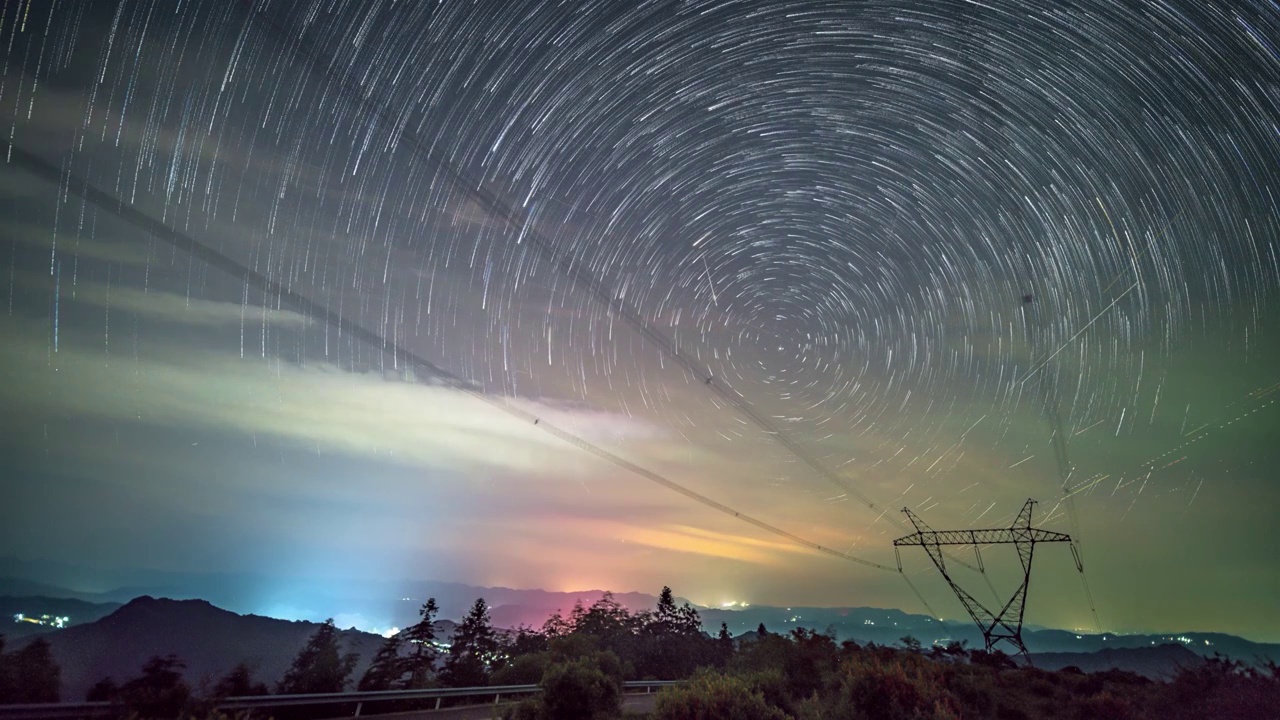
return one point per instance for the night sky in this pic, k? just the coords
(804, 263)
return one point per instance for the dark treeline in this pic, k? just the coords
(29, 675)
(581, 660)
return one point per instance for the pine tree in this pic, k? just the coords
(666, 617)
(422, 642)
(724, 645)
(319, 667)
(474, 649)
(387, 667)
(673, 643)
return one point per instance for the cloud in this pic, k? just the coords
(68, 245)
(357, 414)
(181, 309)
(711, 543)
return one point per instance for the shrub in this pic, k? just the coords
(523, 670)
(581, 689)
(1042, 688)
(710, 695)
(773, 687)
(1104, 705)
(972, 690)
(1223, 688)
(905, 687)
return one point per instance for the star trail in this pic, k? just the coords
(807, 261)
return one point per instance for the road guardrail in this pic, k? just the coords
(95, 710)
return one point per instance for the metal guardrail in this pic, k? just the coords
(91, 710)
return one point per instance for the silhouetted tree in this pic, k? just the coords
(557, 625)
(474, 650)
(810, 658)
(666, 615)
(30, 675)
(239, 683)
(606, 619)
(526, 641)
(320, 667)
(421, 637)
(105, 690)
(673, 642)
(724, 645)
(160, 692)
(6, 679)
(609, 626)
(761, 631)
(667, 619)
(387, 668)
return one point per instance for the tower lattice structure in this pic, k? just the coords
(1004, 626)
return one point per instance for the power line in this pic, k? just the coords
(1048, 385)
(1038, 366)
(491, 203)
(71, 183)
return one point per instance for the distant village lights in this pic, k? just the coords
(56, 621)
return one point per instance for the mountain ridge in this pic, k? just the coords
(211, 641)
(208, 639)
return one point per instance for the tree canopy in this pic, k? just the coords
(29, 674)
(420, 638)
(320, 667)
(474, 651)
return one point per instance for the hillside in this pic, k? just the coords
(1160, 662)
(210, 640)
(382, 604)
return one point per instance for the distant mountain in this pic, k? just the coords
(887, 627)
(76, 612)
(368, 604)
(383, 604)
(1160, 662)
(210, 640)
(19, 587)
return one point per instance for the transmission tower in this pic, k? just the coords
(1006, 625)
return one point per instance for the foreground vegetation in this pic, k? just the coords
(581, 661)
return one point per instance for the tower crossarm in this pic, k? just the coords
(994, 536)
(1005, 625)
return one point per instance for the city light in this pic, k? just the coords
(55, 621)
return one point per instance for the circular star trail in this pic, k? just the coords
(899, 231)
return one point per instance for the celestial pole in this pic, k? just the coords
(780, 246)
